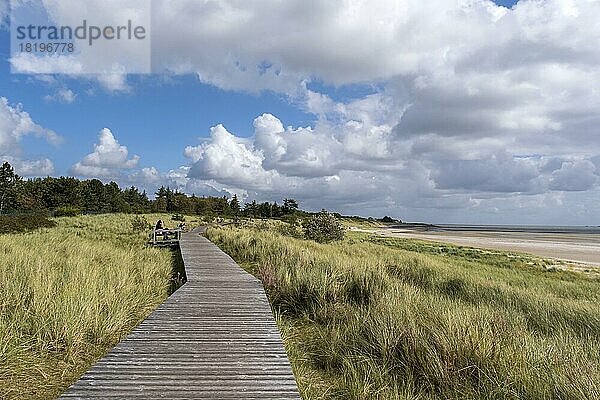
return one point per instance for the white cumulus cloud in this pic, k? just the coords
(62, 95)
(109, 158)
(16, 123)
(403, 177)
(230, 160)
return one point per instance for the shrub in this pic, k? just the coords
(67, 212)
(25, 223)
(323, 228)
(140, 224)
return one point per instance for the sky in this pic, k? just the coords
(442, 111)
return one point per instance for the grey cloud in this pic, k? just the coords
(578, 175)
(550, 165)
(596, 161)
(499, 173)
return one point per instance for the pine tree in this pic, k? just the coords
(289, 206)
(234, 205)
(8, 187)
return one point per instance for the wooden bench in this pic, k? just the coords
(165, 237)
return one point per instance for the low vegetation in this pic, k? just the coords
(371, 318)
(362, 316)
(69, 293)
(139, 223)
(323, 227)
(23, 223)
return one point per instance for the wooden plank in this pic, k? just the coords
(215, 338)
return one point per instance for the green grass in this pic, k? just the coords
(361, 223)
(70, 293)
(497, 258)
(371, 318)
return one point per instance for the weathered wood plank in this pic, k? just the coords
(215, 338)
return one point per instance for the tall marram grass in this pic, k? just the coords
(68, 294)
(367, 320)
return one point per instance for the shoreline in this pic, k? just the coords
(577, 247)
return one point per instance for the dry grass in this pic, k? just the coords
(68, 294)
(366, 320)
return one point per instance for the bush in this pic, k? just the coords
(140, 224)
(67, 212)
(323, 228)
(25, 223)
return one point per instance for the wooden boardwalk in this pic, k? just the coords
(214, 338)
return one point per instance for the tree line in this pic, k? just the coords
(71, 196)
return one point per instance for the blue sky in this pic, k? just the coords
(178, 108)
(157, 118)
(506, 3)
(441, 123)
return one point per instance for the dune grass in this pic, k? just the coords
(70, 293)
(390, 319)
(24, 223)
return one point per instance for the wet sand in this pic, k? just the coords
(580, 248)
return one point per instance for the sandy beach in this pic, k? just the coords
(577, 248)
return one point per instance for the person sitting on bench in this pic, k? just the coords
(161, 229)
